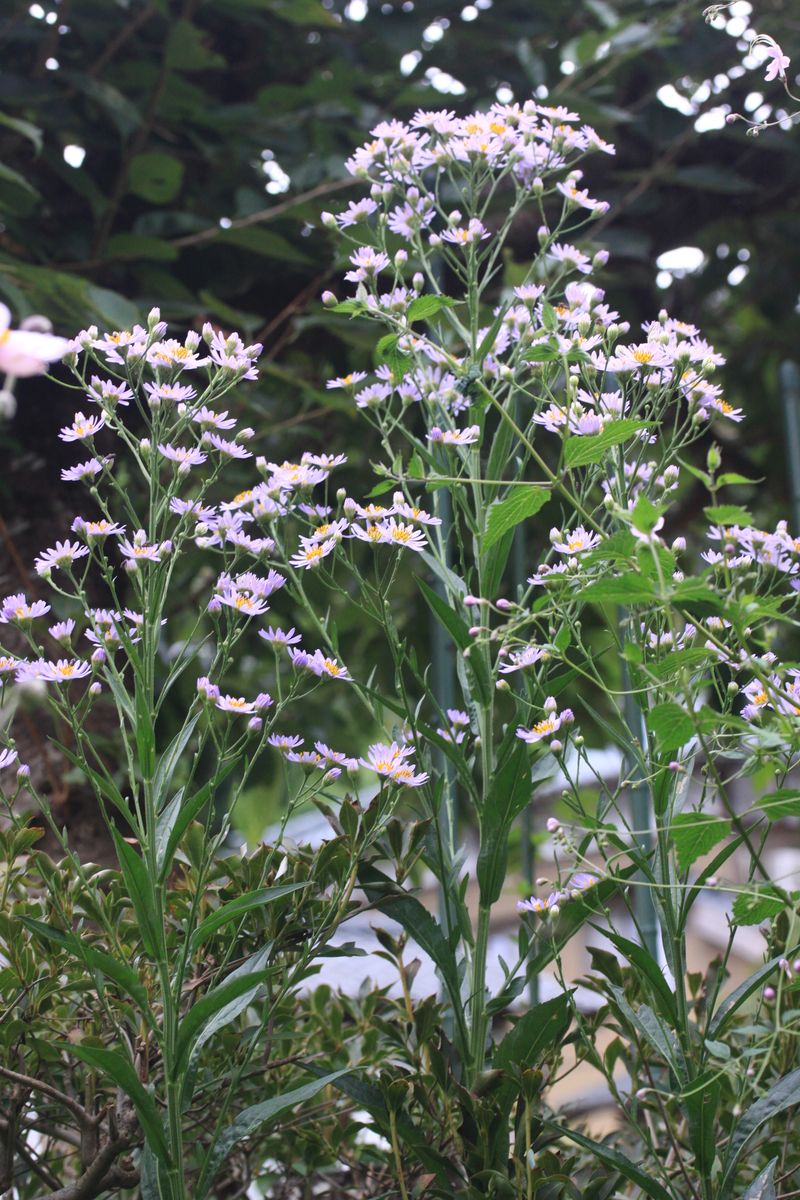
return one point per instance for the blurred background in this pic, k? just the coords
(179, 153)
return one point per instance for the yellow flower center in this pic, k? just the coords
(4, 336)
(66, 670)
(546, 726)
(242, 496)
(401, 535)
(332, 667)
(236, 703)
(643, 356)
(576, 544)
(313, 553)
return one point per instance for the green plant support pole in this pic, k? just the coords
(641, 815)
(790, 387)
(443, 682)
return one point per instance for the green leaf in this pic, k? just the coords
(201, 1012)
(509, 792)
(541, 1027)
(582, 451)
(701, 1103)
(116, 1067)
(24, 128)
(425, 307)
(135, 246)
(177, 816)
(505, 515)
(763, 1186)
(384, 893)
(785, 802)
(459, 632)
(622, 589)
(694, 834)
(655, 1031)
(238, 907)
(169, 760)
(612, 1158)
(732, 1003)
(251, 1119)
(645, 515)
(140, 890)
(760, 903)
(728, 514)
(264, 242)
(644, 962)
(671, 725)
(782, 1095)
(155, 177)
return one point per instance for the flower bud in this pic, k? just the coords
(502, 685)
(454, 217)
(145, 446)
(679, 544)
(471, 601)
(328, 220)
(95, 689)
(434, 241)
(401, 258)
(329, 300)
(769, 993)
(552, 824)
(600, 259)
(503, 604)
(23, 772)
(255, 725)
(99, 656)
(550, 705)
(214, 606)
(418, 281)
(537, 187)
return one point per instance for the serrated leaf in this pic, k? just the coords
(425, 307)
(728, 514)
(759, 904)
(505, 515)
(694, 834)
(582, 451)
(671, 726)
(785, 802)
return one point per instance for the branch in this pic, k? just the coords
(85, 1119)
(100, 1176)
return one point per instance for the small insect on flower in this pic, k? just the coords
(347, 382)
(7, 757)
(17, 609)
(138, 550)
(63, 555)
(87, 470)
(82, 428)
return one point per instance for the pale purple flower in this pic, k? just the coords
(175, 393)
(63, 671)
(575, 541)
(226, 448)
(82, 428)
(234, 704)
(138, 549)
(348, 382)
(312, 553)
(368, 262)
(373, 395)
(207, 689)
(62, 631)
(570, 256)
(285, 741)
(95, 531)
(389, 761)
(581, 197)
(26, 352)
(7, 757)
(109, 392)
(543, 907)
(455, 437)
(550, 723)
(86, 470)
(403, 509)
(465, 235)
(580, 882)
(63, 555)
(356, 211)
(242, 602)
(520, 659)
(172, 353)
(16, 608)
(280, 637)
(398, 534)
(8, 664)
(778, 63)
(186, 456)
(193, 508)
(336, 757)
(206, 418)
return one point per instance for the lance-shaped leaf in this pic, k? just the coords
(782, 1095)
(119, 1069)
